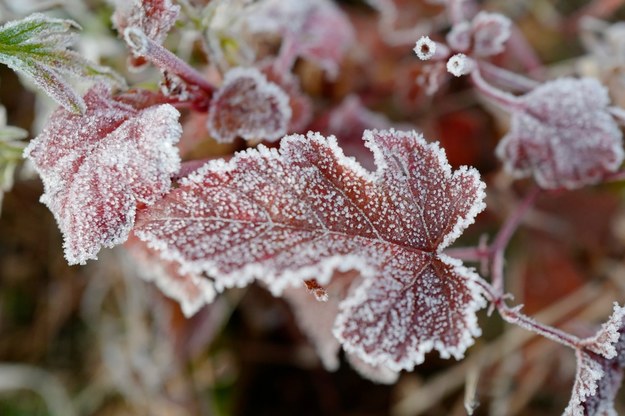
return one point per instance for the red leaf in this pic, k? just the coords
(98, 166)
(304, 211)
(249, 106)
(600, 366)
(563, 135)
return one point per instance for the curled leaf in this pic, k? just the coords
(96, 168)
(249, 106)
(563, 134)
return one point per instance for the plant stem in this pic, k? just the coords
(510, 79)
(504, 99)
(164, 59)
(502, 239)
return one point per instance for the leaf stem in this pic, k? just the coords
(504, 99)
(164, 59)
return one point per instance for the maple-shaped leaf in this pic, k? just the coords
(249, 106)
(563, 134)
(37, 47)
(153, 17)
(306, 210)
(191, 291)
(600, 367)
(97, 167)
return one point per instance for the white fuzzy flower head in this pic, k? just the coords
(459, 65)
(425, 48)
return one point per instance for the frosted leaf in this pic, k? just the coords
(152, 17)
(249, 106)
(490, 33)
(191, 291)
(96, 168)
(459, 65)
(600, 367)
(563, 135)
(316, 30)
(37, 47)
(306, 210)
(425, 48)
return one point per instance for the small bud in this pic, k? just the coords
(459, 65)
(425, 48)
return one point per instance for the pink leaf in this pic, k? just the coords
(249, 106)
(564, 135)
(600, 366)
(97, 167)
(191, 291)
(306, 210)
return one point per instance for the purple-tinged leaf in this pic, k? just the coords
(563, 134)
(37, 46)
(249, 106)
(600, 367)
(98, 167)
(306, 210)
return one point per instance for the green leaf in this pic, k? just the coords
(37, 47)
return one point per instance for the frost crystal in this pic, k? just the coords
(425, 48)
(97, 167)
(37, 46)
(459, 65)
(304, 211)
(600, 367)
(249, 106)
(564, 135)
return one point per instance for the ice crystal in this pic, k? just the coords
(37, 46)
(249, 106)
(306, 210)
(563, 134)
(600, 367)
(98, 166)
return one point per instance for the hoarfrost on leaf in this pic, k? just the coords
(305, 211)
(97, 167)
(37, 46)
(563, 134)
(600, 367)
(249, 106)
